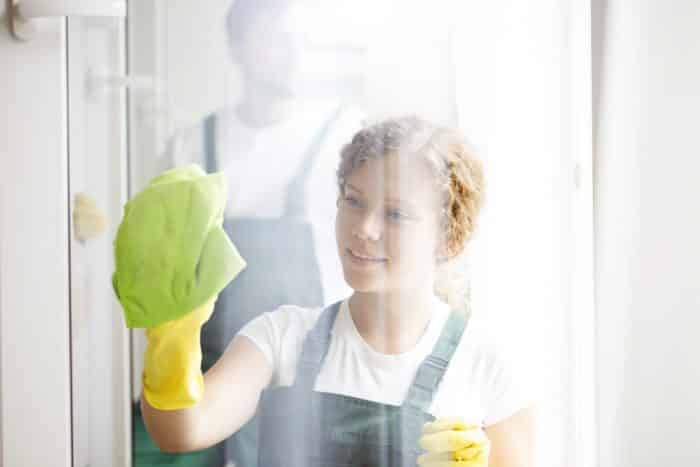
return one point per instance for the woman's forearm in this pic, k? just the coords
(172, 430)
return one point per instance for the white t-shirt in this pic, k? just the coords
(480, 383)
(260, 162)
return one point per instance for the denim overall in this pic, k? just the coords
(282, 269)
(303, 428)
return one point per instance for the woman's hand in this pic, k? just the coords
(451, 442)
(172, 378)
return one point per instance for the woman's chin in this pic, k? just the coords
(362, 282)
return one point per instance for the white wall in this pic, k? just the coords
(34, 286)
(648, 231)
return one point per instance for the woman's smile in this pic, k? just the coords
(362, 259)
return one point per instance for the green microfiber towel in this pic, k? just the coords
(171, 251)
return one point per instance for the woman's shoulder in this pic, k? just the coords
(497, 359)
(296, 315)
(484, 381)
(282, 328)
(485, 347)
(292, 319)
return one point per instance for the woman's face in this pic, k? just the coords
(387, 226)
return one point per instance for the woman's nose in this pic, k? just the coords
(368, 227)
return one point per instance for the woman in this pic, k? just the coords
(354, 384)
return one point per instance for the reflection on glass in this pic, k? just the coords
(277, 145)
(336, 334)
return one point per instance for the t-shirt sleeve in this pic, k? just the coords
(508, 388)
(264, 332)
(279, 335)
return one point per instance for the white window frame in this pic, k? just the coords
(34, 236)
(583, 317)
(36, 186)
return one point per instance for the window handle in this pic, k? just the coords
(25, 15)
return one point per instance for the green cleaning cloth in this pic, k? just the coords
(171, 252)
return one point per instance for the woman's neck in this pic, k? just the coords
(392, 323)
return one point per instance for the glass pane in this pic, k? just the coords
(273, 95)
(256, 89)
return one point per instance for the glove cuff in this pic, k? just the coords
(172, 377)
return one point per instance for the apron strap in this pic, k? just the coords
(315, 348)
(295, 201)
(430, 372)
(210, 143)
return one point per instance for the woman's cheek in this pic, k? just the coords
(415, 250)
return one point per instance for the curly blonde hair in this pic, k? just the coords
(458, 174)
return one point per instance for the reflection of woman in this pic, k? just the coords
(353, 383)
(277, 149)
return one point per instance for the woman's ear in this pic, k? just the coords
(442, 254)
(441, 259)
(442, 251)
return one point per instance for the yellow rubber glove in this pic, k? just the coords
(172, 376)
(451, 442)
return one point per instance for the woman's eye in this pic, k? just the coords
(352, 201)
(395, 215)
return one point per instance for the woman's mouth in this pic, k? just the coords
(360, 258)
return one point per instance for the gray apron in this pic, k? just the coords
(282, 269)
(303, 428)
